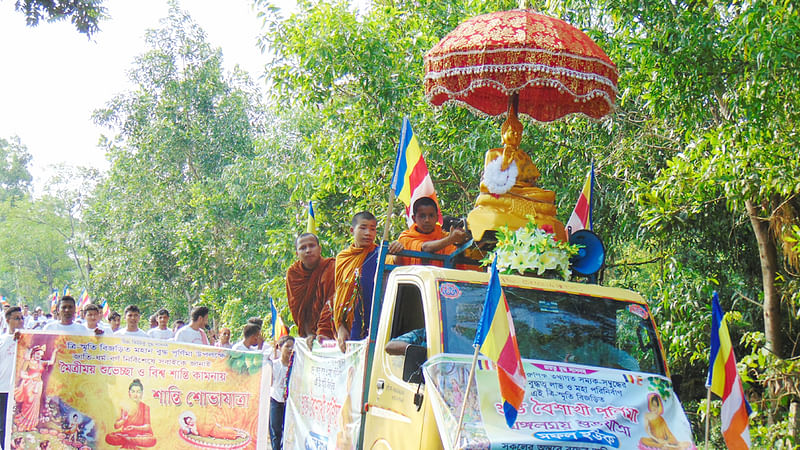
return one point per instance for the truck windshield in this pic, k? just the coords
(556, 326)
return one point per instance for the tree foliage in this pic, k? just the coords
(85, 15)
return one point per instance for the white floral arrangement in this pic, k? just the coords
(531, 250)
(497, 180)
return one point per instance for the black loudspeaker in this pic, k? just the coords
(591, 256)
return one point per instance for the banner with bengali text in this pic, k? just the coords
(566, 406)
(85, 392)
(325, 387)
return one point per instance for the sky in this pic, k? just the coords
(52, 77)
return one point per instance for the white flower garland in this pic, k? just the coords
(499, 181)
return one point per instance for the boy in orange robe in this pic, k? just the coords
(310, 288)
(355, 279)
(427, 236)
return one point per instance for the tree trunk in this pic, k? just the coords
(769, 267)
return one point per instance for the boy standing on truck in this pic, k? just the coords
(425, 235)
(310, 288)
(355, 278)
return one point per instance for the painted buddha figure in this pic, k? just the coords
(509, 191)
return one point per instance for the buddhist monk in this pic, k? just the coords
(310, 288)
(355, 279)
(427, 236)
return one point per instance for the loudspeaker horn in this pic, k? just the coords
(591, 256)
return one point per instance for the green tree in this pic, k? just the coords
(85, 15)
(164, 225)
(15, 180)
(33, 254)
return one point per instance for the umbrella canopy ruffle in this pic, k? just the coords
(555, 68)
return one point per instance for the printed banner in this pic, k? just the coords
(77, 392)
(566, 406)
(323, 409)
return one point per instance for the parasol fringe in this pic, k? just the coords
(479, 113)
(437, 58)
(524, 67)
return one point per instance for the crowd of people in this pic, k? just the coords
(329, 298)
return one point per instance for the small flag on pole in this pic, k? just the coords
(724, 381)
(54, 300)
(278, 328)
(581, 218)
(84, 299)
(411, 179)
(311, 227)
(67, 291)
(106, 310)
(497, 340)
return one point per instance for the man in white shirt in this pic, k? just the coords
(194, 333)
(132, 316)
(26, 317)
(3, 324)
(161, 331)
(66, 312)
(39, 320)
(250, 335)
(92, 322)
(8, 353)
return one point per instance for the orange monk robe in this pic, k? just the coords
(308, 291)
(413, 239)
(348, 261)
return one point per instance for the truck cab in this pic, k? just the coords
(556, 321)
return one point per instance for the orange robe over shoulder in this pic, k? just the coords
(412, 239)
(308, 291)
(348, 261)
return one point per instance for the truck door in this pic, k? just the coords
(392, 420)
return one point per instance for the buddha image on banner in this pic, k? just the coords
(79, 392)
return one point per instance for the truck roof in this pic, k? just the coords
(432, 273)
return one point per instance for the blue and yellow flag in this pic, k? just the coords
(311, 227)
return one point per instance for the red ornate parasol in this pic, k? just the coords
(554, 68)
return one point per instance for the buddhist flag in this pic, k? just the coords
(84, 299)
(106, 310)
(67, 291)
(497, 340)
(311, 227)
(724, 381)
(411, 179)
(54, 300)
(278, 328)
(581, 218)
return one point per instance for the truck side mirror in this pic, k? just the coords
(416, 355)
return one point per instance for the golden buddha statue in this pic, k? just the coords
(509, 191)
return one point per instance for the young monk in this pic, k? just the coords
(355, 279)
(310, 288)
(426, 235)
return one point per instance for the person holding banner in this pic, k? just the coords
(279, 391)
(8, 353)
(134, 422)
(65, 325)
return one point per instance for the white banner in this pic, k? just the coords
(325, 388)
(565, 406)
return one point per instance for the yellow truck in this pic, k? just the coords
(596, 372)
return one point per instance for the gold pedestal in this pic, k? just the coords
(512, 210)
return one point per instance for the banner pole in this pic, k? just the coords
(466, 397)
(708, 414)
(389, 216)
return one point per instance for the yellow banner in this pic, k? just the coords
(76, 392)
